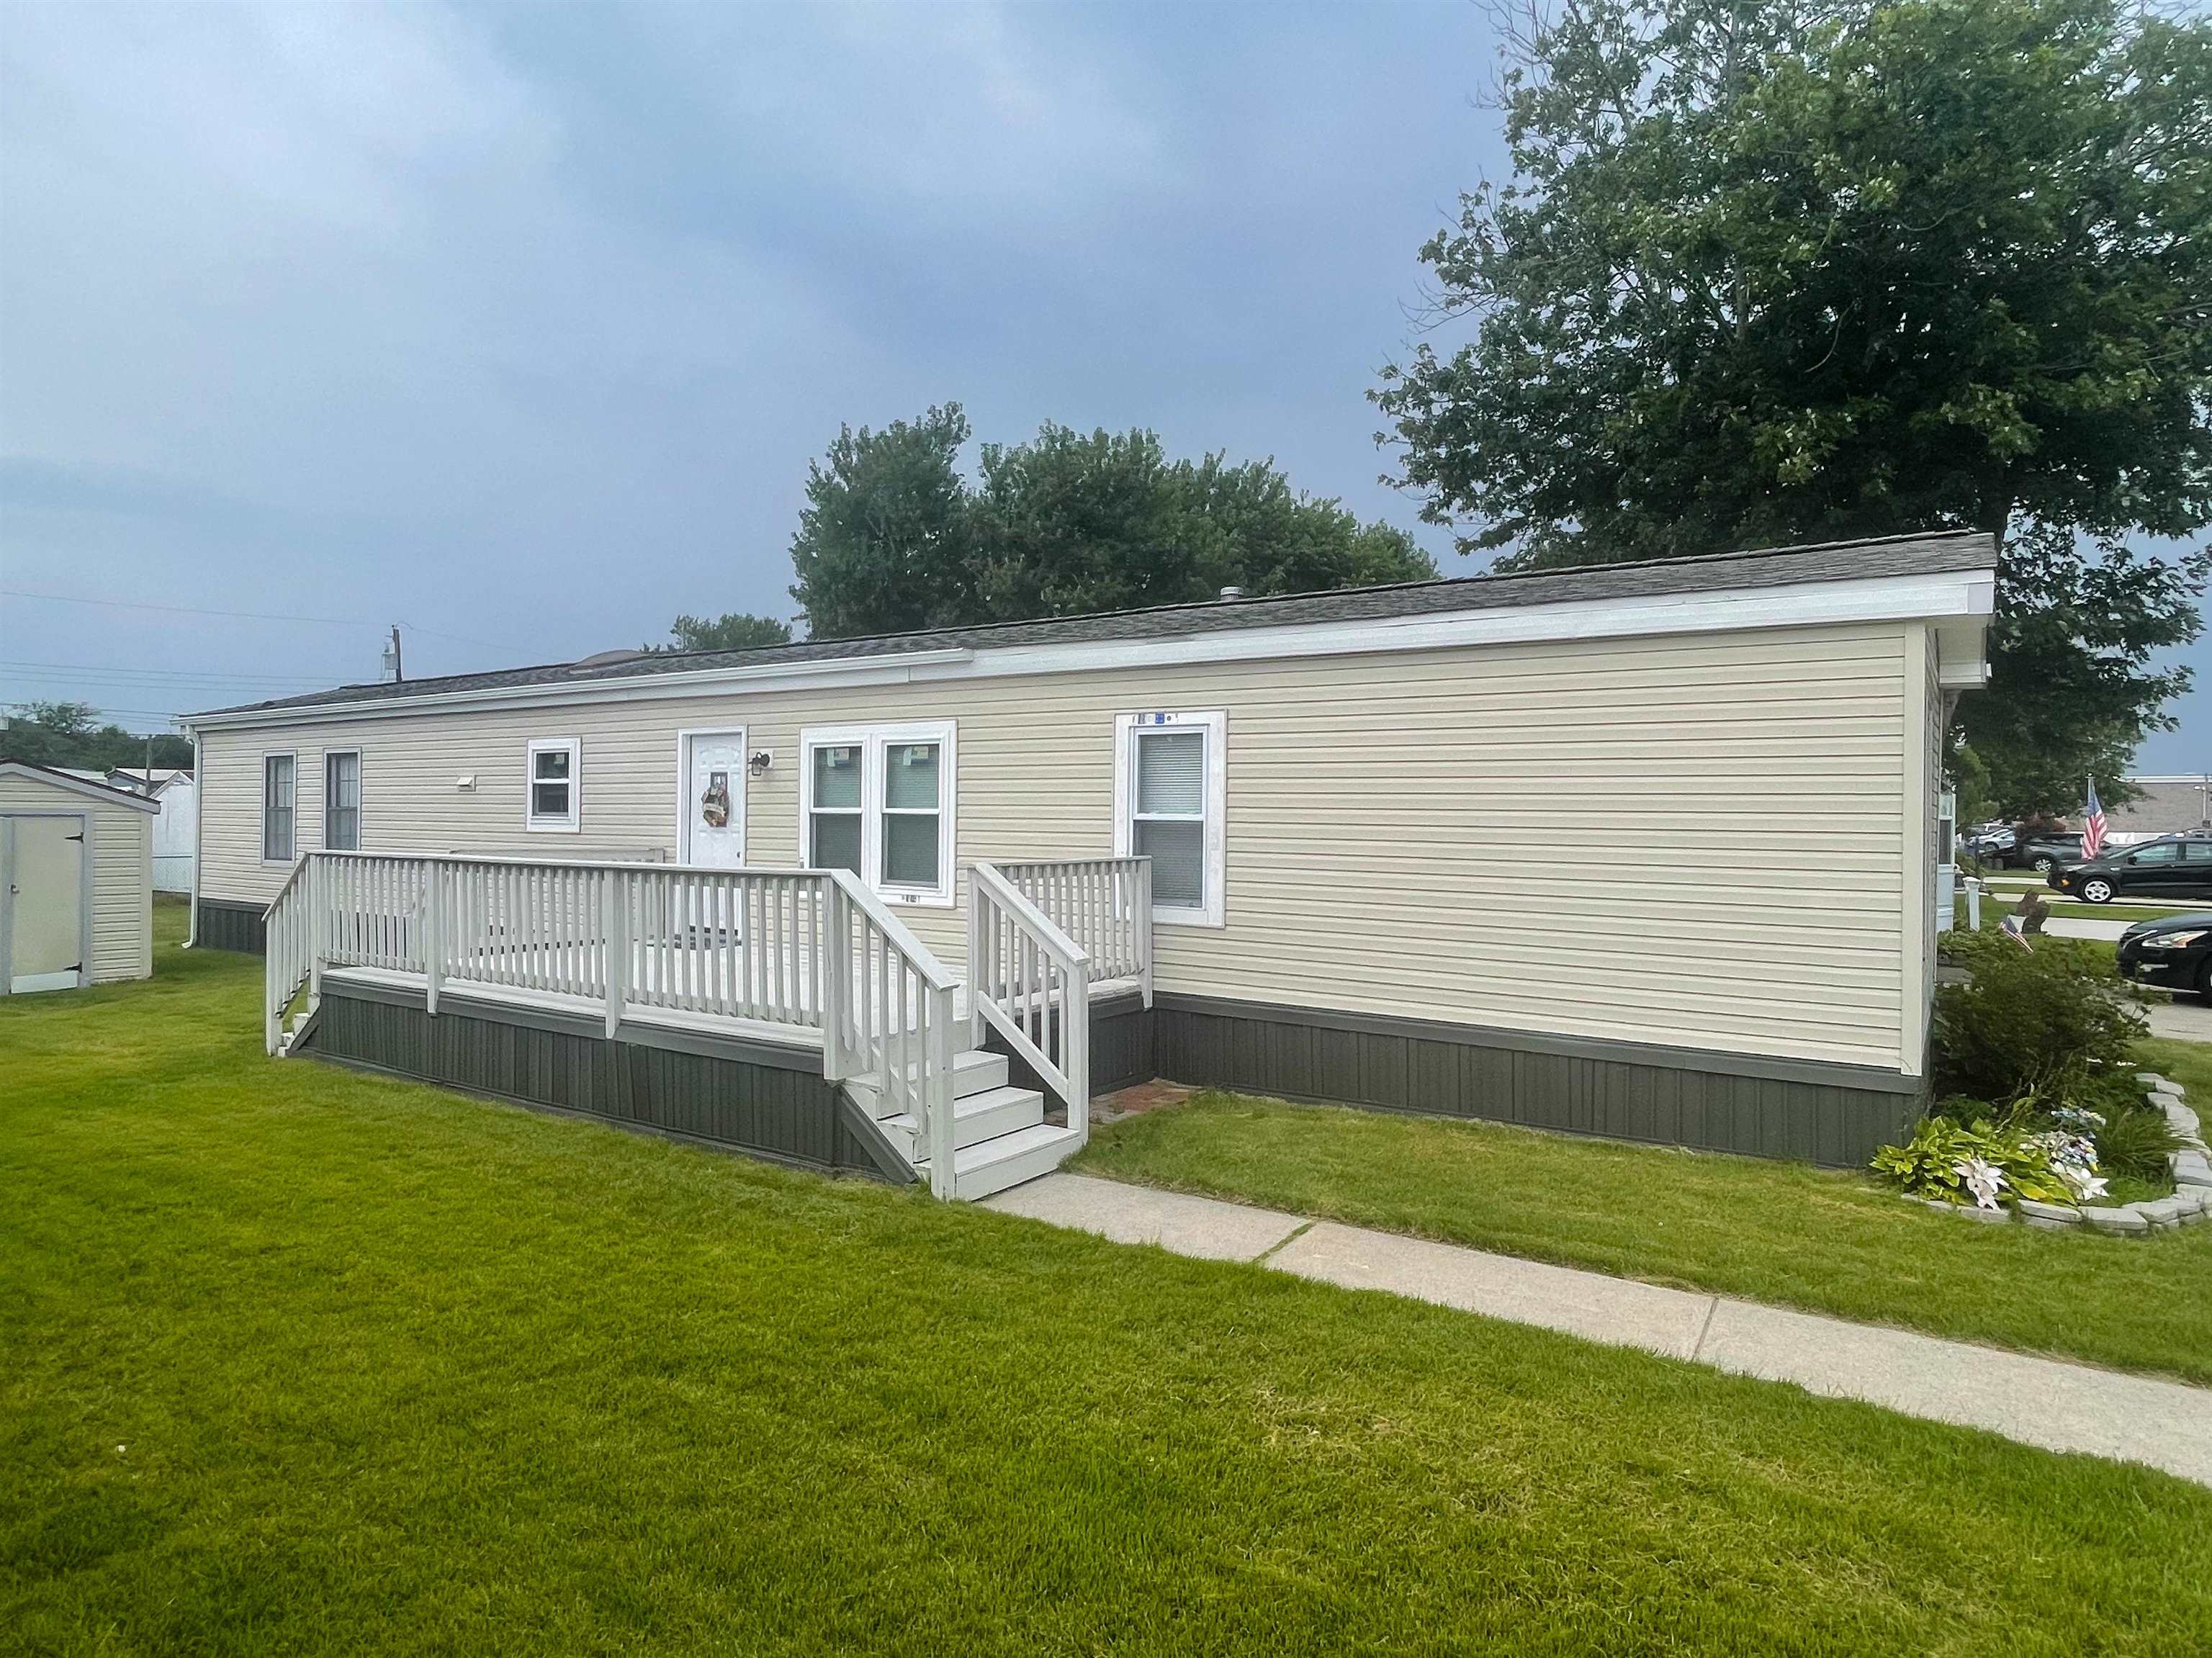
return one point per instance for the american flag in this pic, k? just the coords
(2093, 825)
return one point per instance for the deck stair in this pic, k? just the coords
(999, 1132)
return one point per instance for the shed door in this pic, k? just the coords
(47, 903)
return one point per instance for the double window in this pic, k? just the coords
(279, 807)
(555, 804)
(341, 800)
(1168, 799)
(878, 800)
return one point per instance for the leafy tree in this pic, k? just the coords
(1069, 523)
(893, 537)
(68, 734)
(1779, 271)
(732, 632)
(884, 543)
(2072, 691)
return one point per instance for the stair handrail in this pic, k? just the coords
(288, 949)
(1031, 983)
(1105, 904)
(888, 1013)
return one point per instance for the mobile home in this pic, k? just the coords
(1643, 850)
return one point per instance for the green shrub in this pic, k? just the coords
(2028, 1022)
(2135, 1142)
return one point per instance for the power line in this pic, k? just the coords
(249, 616)
(462, 639)
(193, 674)
(181, 610)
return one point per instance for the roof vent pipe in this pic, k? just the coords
(1230, 594)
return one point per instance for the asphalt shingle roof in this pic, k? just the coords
(1775, 567)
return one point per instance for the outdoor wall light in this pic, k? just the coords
(759, 762)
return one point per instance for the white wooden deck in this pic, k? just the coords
(760, 956)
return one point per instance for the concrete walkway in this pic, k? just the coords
(2037, 1401)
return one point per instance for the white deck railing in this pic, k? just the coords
(809, 950)
(1104, 905)
(891, 1017)
(1031, 982)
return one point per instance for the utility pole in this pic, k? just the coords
(391, 656)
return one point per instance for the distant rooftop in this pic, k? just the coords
(1771, 567)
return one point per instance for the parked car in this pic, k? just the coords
(2175, 951)
(1988, 843)
(2043, 852)
(2172, 867)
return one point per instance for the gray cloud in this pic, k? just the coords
(524, 321)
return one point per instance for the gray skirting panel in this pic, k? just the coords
(750, 1097)
(1826, 1113)
(1120, 1051)
(223, 924)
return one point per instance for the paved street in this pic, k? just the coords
(2184, 1019)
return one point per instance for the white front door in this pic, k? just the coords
(46, 903)
(713, 821)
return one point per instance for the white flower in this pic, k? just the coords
(2081, 1182)
(1983, 1179)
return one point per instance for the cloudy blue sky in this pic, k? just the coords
(518, 326)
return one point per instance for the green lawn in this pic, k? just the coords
(301, 1361)
(1782, 1232)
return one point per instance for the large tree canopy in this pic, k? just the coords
(1068, 524)
(893, 537)
(885, 543)
(2072, 690)
(1776, 272)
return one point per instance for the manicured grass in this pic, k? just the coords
(299, 1360)
(1829, 1241)
(2115, 912)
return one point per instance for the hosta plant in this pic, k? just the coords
(1985, 1164)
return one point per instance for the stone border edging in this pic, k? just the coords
(2191, 1204)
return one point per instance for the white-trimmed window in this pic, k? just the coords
(878, 800)
(555, 806)
(279, 807)
(341, 800)
(1168, 806)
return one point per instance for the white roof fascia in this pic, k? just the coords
(1962, 595)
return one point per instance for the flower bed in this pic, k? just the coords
(2047, 1178)
(2040, 1110)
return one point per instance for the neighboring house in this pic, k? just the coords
(76, 899)
(2167, 806)
(177, 831)
(1643, 850)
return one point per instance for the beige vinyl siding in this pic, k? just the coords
(1697, 840)
(122, 848)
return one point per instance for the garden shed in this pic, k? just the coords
(77, 900)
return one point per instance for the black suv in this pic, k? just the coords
(2177, 866)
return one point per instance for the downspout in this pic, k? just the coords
(200, 796)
